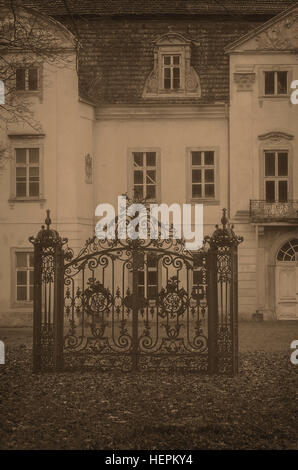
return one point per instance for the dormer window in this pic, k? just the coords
(172, 74)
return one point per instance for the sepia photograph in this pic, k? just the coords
(149, 228)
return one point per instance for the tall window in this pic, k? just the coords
(24, 276)
(145, 175)
(27, 79)
(171, 72)
(27, 172)
(148, 278)
(276, 176)
(276, 83)
(202, 174)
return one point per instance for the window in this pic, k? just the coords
(289, 251)
(276, 176)
(24, 263)
(27, 79)
(144, 175)
(202, 174)
(27, 182)
(148, 278)
(171, 72)
(276, 83)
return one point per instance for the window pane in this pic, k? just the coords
(21, 293)
(21, 156)
(209, 176)
(138, 158)
(196, 176)
(21, 173)
(209, 158)
(209, 190)
(31, 278)
(151, 192)
(138, 177)
(21, 260)
(176, 80)
(270, 191)
(269, 83)
(151, 177)
(34, 173)
(167, 60)
(283, 164)
(138, 192)
(34, 156)
(282, 85)
(141, 278)
(269, 164)
(32, 79)
(31, 259)
(196, 158)
(151, 159)
(196, 190)
(152, 292)
(167, 72)
(21, 278)
(20, 189)
(141, 291)
(31, 293)
(33, 189)
(167, 83)
(152, 278)
(283, 191)
(20, 79)
(176, 60)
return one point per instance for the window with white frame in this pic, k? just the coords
(24, 276)
(202, 174)
(27, 172)
(276, 164)
(171, 68)
(148, 277)
(276, 83)
(145, 175)
(27, 79)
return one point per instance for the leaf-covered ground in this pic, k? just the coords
(92, 410)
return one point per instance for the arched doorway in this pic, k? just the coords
(287, 281)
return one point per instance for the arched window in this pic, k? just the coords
(289, 251)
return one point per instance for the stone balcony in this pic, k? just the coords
(268, 212)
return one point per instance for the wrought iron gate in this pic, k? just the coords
(136, 304)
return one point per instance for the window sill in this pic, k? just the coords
(22, 304)
(207, 202)
(13, 200)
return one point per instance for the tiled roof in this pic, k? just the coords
(158, 7)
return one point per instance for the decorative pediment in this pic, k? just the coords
(172, 38)
(276, 136)
(278, 34)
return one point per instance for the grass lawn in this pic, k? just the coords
(255, 410)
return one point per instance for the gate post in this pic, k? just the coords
(48, 298)
(212, 309)
(223, 261)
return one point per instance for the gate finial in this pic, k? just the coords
(48, 220)
(224, 219)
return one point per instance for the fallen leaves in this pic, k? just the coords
(109, 410)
